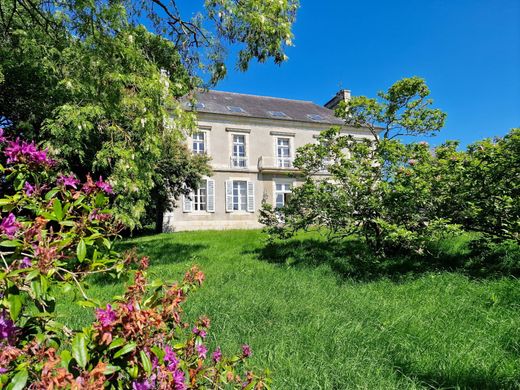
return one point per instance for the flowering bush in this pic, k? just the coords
(55, 231)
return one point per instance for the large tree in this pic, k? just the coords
(100, 82)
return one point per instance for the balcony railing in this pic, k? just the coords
(275, 163)
(238, 162)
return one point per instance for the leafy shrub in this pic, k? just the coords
(55, 231)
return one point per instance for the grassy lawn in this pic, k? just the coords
(317, 327)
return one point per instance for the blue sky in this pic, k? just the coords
(468, 52)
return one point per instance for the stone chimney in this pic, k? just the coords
(342, 96)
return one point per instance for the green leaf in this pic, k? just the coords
(15, 305)
(147, 364)
(79, 349)
(127, 348)
(58, 209)
(81, 250)
(49, 195)
(10, 243)
(66, 357)
(117, 342)
(19, 380)
(111, 369)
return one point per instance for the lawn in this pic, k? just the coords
(332, 319)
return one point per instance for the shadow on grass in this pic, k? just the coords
(352, 259)
(474, 379)
(160, 251)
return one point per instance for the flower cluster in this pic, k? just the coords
(24, 152)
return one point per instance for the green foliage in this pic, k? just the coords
(103, 91)
(54, 233)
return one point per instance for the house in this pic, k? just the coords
(252, 141)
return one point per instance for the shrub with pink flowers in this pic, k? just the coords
(54, 232)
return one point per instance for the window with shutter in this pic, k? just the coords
(210, 196)
(187, 203)
(250, 196)
(229, 196)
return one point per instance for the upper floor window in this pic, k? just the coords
(283, 152)
(199, 142)
(238, 156)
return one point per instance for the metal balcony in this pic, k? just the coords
(276, 164)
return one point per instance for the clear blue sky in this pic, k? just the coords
(467, 50)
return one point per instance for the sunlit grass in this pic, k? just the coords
(317, 326)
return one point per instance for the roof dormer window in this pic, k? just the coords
(235, 109)
(278, 114)
(315, 117)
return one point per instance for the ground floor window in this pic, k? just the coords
(200, 197)
(282, 194)
(239, 195)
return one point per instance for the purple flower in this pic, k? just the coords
(69, 181)
(25, 262)
(104, 186)
(9, 226)
(199, 332)
(171, 358)
(2, 138)
(202, 350)
(178, 380)
(246, 350)
(22, 151)
(107, 316)
(217, 355)
(28, 188)
(145, 384)
(7, 329)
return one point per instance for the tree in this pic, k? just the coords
(92, 82)
(376, 187)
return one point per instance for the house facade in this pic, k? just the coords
(252, 142)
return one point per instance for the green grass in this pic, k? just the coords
(323, 318)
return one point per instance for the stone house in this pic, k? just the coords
(252, 142)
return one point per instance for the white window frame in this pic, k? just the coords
(276, 192)
(248, 195)
(205, 131)
(285, 161)
(232, 159)
(189, 201)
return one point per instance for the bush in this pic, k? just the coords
(54, 232)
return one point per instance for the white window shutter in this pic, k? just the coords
(210, 199)
(187, 203)
(229, 196)
(251, 196)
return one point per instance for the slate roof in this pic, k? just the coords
(218, 102)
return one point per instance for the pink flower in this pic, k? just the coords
(9, 226)
(171, 358)
(202, 350)
(69, 181)
(104, 186)
(25, 262)
(107, 316)
(28, 188)
(199, 332)
(178, 380)
(24, 152)
(2, 138)
(217, 355)
(246, 350)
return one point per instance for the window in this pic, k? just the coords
(238, 156)
(196, 106)
(282, 194)
(235, 109)
(315, 117)
(240, 196)
(283, 153)
(200, 198)
(199, 142)
(278, 114)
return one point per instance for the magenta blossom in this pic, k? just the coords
(7, 329)
(246, 350)
(202, 350)
(171, 358)
(2, 138)
(25, 263)
(104, 186)
(28, 188)
(106, 317)
(9, 226)
(217, 355)
(199, 332)
(25, 152)
(68, 181)
(178, 380)
(145, 384)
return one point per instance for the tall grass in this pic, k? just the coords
(323, 318)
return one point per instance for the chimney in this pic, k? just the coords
(342, 96)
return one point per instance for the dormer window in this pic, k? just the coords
(315, 117)
(235, 109)
(196, 106)
(278, 114)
